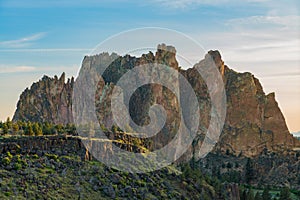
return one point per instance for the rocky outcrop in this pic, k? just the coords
(253, 123)
(268, 168)
(48, 100)
(60, 145)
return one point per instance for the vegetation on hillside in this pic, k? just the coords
(51, 175)
(21, 128)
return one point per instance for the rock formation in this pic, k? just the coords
(253, 123)
(48, 100)
(254, 120)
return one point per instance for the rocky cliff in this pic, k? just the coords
(253, 122)
(48, 100)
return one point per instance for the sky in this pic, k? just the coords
(39, 37)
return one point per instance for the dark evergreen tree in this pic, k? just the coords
(15, 127)
(9, 123)
(258, 196)
(250, 194)
(59, 128)
(285, 194)
(249, 172)
(28, 129)
(5, 129)
(266, 194)
(37, 129)
(244, 195)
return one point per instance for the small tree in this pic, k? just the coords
(249, 171)
(258, 196)
(48, 129)
(114, 129)
(9, 123)
(266, 194)
(15, 127)
(59, 128)
(5, 129)
(37, 129)
(29, 130)
(243, 194)
(71, 129)
(285, 194)
(21, 126)
(250, 194)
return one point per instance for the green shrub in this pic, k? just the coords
(18, 147)
(35, 156)
(6, 160)
(52, 156)
(9, 155)
(18, 166)
(18, 158)
(7, 194)
(24, 163)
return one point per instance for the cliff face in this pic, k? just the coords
(254, 120)
(48, 100)
(253, 123)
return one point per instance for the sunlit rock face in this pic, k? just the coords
(48, 100)
(253, 121)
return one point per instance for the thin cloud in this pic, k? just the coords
(47, 50)
(71, 69)
(255, 45)
(56, 3)
(186, 4)
(290, 21)
(291, 44)
(259, 38)
(16, 69)
(22, 42)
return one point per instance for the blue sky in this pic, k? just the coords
(49, 37)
